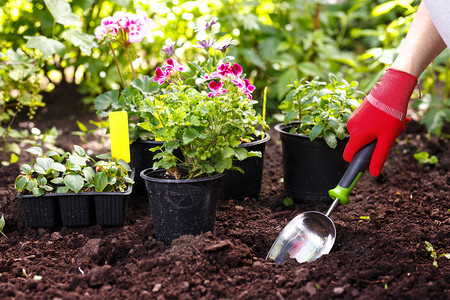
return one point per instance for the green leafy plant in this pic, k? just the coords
(322, 108)
(204, 109)
(2, 225)
(84, 131)
(71, 172)
(433, 253)
(425, 158)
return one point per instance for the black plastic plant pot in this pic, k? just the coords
(111, 208)
(142, 158)
(76, 209)
(40, 211)
(310, 168)
(180, 207)
(238, 186)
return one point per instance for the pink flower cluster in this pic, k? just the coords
(131, 27)
(171, 66)
(233, 72)
(224, 72)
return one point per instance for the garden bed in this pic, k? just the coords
(380, 250)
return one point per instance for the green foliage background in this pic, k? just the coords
(276, 42)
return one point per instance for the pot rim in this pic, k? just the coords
(281, 128)
(146, 175)
(257, 142)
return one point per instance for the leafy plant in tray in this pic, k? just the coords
(314, 135)
(70, 181)
(72, 172)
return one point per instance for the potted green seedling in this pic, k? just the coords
(314, 135)
(205, 111)
(73, 187)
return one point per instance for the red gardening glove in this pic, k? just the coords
(381, 117)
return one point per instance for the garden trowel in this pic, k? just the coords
(312, 234)
(120, 142)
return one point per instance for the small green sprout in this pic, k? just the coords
(434, 255)
(288, 201)
(364, 217)
(2, 225)
(425, 158)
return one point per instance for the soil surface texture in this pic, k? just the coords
(379, 253)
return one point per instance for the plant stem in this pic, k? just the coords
(9, 125)
(131, 62)
(117, 64)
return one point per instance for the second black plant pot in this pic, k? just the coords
(310, 168)
(238, 186)
(183, 206)
(142, 158)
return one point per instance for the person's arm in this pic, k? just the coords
(382, 115)
(422, 44)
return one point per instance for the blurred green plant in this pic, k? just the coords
(2, 225)
(278, 40)
(424, 158)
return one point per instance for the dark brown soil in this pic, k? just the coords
(383, 257)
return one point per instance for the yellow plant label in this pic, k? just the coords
(120, 141)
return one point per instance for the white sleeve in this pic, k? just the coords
(440, 14)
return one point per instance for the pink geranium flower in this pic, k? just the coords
(161, 75)
(171, 64)
(216, 89)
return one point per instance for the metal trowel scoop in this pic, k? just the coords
(312, 234)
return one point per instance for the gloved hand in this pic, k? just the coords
(381, 116)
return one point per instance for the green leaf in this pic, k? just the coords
(62, 190)
(14, 158)
(79, 150)
(104, 156)
(100, 181)
(46, 46)
(103, 101)
(89, 174)
(81, 126)
(241, 153)
(45, 162)
(77, 160)
(61, 12)
(2, 225)
(288, 201)
(384, 8)
(58, 180)
(41, 180)
(145, 85)
(38, 191)
(189, 135)
(39, 169)
(316, 131)
(80, 39)
(330, 139)
(21, 182)
(74, 182)
(35, 150)
(26, 168)
(124, 165)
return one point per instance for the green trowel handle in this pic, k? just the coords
(354, 171)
